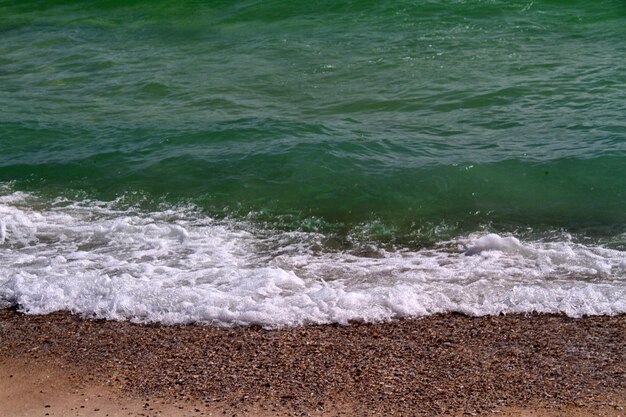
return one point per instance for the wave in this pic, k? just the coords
(177, 265)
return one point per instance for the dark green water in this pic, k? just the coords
(403, 121)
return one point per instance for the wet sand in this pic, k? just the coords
(514, 365)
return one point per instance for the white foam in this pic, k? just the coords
(493, 242)
(178, 266)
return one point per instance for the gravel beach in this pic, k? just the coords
(436, 365)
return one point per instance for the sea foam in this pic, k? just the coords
(179, 266)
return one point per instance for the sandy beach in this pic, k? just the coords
(61, 364)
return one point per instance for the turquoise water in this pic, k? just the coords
(397, 125)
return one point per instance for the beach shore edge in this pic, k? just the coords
(450, 364)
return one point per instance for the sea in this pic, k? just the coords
(283, 163)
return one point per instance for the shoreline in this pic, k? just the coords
(446, 364)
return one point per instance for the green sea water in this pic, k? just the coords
(399, 121)
(291, 162)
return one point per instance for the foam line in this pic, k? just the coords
(179, 266)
